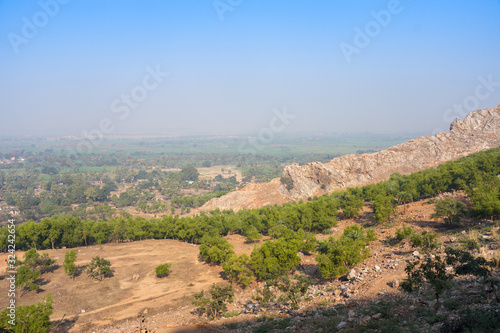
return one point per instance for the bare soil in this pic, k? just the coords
(116, 303)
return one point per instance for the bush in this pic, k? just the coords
(29, 318)
(274, 258)
(433, 271)
(215, 250)
(214, 303)
(238, 270)
(163, 270)
(338, 255)
(384, 207)
(450, 210)
(427, 241)
(98, 268)
(351, 204)
(292, 289)
(69, 263)
(404, 233)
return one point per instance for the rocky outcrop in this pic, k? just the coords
(480, 130)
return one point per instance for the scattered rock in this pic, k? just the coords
(364, 320)
(341, 325)
(351, 315)
(351, 275)
(395, 283)
(416, 253)
(376, 268)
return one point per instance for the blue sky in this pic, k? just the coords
(231, 63)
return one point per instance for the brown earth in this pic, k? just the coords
(114, 304)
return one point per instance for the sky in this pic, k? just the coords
(186, 67)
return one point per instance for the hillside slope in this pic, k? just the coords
(480, 130)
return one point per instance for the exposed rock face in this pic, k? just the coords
(480, 130)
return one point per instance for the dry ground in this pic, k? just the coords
(114, 304)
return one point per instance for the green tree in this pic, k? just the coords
(338, 255)
(215, 250)
(25, 278)
(351, 204)
(274, 258)
(253, 234)
(431, 270)
(383, 207)
(426, 241)
(189, 173)
(292, 289)
(98, 268)
(237, 269)
(163, 270)
(69, 263)
(215, 302)
(450, 210)
(28, 318)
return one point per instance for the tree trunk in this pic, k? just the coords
(437, 303)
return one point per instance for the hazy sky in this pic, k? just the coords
(380, 66)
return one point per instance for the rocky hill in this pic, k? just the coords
(480, 130)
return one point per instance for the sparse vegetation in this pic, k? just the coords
(69, 263)
(98, 268)
(163, 270)
(450, 210)
(215, 301)
(28, 318)
(338, 255)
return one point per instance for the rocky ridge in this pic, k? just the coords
(480, 130)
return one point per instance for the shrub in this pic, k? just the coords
(215, 301)
(427, 241)
(215, 250)
(29, 318)
(433, 271)
(404, 233)
(292, 289)
(351, 204)
(450, 210)
(470, 240)
(274, 258)
(237, 269)
(163, 270)
(98, 268)
(338, 255)
(69, 263)
(384, 207)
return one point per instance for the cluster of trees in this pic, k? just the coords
(28, 318)
(476, 174)
(336, 256)
(70, 231)
(196, 200)
(439, 270)
(30, 270)
(472, 174)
